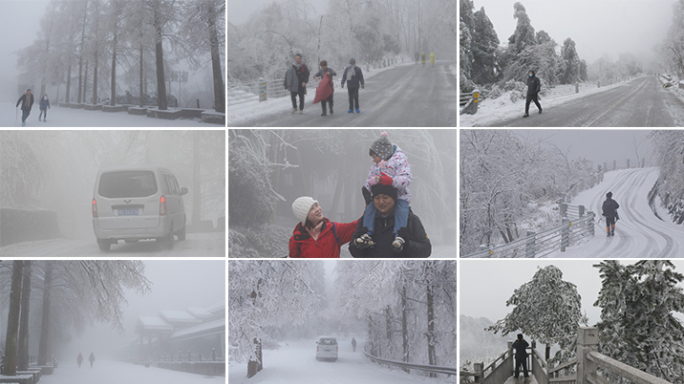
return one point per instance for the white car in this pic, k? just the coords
(133, 203)
(326, 348)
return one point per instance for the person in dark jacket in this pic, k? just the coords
(91, 358)
(354, 344)
(44, 105)
(295, 80)
(315, 236)
(354, 77)
(520, 346)
(533, 88)
(610, 207)
(319, 75)
(416, 242)
(26, 101)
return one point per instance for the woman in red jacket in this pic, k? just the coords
(315, 236)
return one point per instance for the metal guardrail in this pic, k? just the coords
(469, 102)
(419, 367)
(263, 89)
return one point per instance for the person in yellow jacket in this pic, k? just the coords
(432, 58)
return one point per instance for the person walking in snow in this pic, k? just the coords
(520, 346)
(432, 59)
(315, 236)
(354, 344)
(610, 207)
(354, 78)
(91, 358)
(390, 167)
(295, 80)
(79, 359)
(44, 105)
(26, 101)
(533, 88)
(326, 86)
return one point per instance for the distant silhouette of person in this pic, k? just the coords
(79, 359)
(91, 358)
(520, 346)
(354, 344)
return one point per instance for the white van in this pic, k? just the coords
(133, 203)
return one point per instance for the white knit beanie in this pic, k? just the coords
(301, 207)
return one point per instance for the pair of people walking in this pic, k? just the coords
(91, 358)
(297, 77)
(26, 100)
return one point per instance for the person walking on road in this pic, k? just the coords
(354, 344)
(26, 101)
(295, 80)
(325, 87)
(533, 88)
(520, 346)
(422, 58)
(354, 78)
(610, 207)
(44, 105)
(91, 358)
(79, 359)
(432, 59)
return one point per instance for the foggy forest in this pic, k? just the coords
(269, 169)
(402, 311)
(47, 179)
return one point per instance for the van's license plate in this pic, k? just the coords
(128, 212)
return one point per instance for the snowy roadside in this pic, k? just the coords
(490, 111)
(240, 113)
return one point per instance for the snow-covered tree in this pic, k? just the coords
(524, 31)
(547, 309)
(570, 63)
(639, 326)
(668, 146)
(485, 68)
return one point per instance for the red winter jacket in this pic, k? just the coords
(327, 246)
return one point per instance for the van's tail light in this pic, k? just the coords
(162, 206)
(94, 209)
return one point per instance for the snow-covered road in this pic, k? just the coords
(639, 233)
(116, 372)
(642, 102)
(295, 363)
(66, 117)
(195, 244)
(405, 96)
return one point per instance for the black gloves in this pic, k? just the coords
(366, 196)
(404, 234)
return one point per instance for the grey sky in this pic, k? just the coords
(596, 145)
(240, 10)
(19, 23)
(485, 285)
(596, 26)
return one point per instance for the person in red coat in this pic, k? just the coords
(315, 236)
(324, 92)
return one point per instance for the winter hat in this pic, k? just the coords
(609, 195)
(382, 147)
(381, 189)
(352, 61)
(520, 336)
(301, 208)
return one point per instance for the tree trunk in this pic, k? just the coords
(24, 321)
(43, 345)
(159, 54)
(80, 54)
(404, 327)
(10, 363)
(388, 332)
(219, 89)
(85, 82)
(196, 180)
(141, 75)
(432, 358)
(68, 84)
(97, 58)
(112, 96)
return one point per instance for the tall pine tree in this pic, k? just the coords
(484, 43)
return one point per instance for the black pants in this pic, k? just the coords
(518, 363)
(532, 97)
(293, 96)
(25, 114)
(353, 97)
(328, 100)
(43, 111)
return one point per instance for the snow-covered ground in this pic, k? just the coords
(295, 363)
(639, 233)
(116, 372)
(253, 109)
(195, 244)
(67, 117)
(490, 111)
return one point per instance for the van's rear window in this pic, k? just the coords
(127, 184)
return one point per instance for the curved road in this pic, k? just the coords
(642, 102)
(639, 233)
(405, 96)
